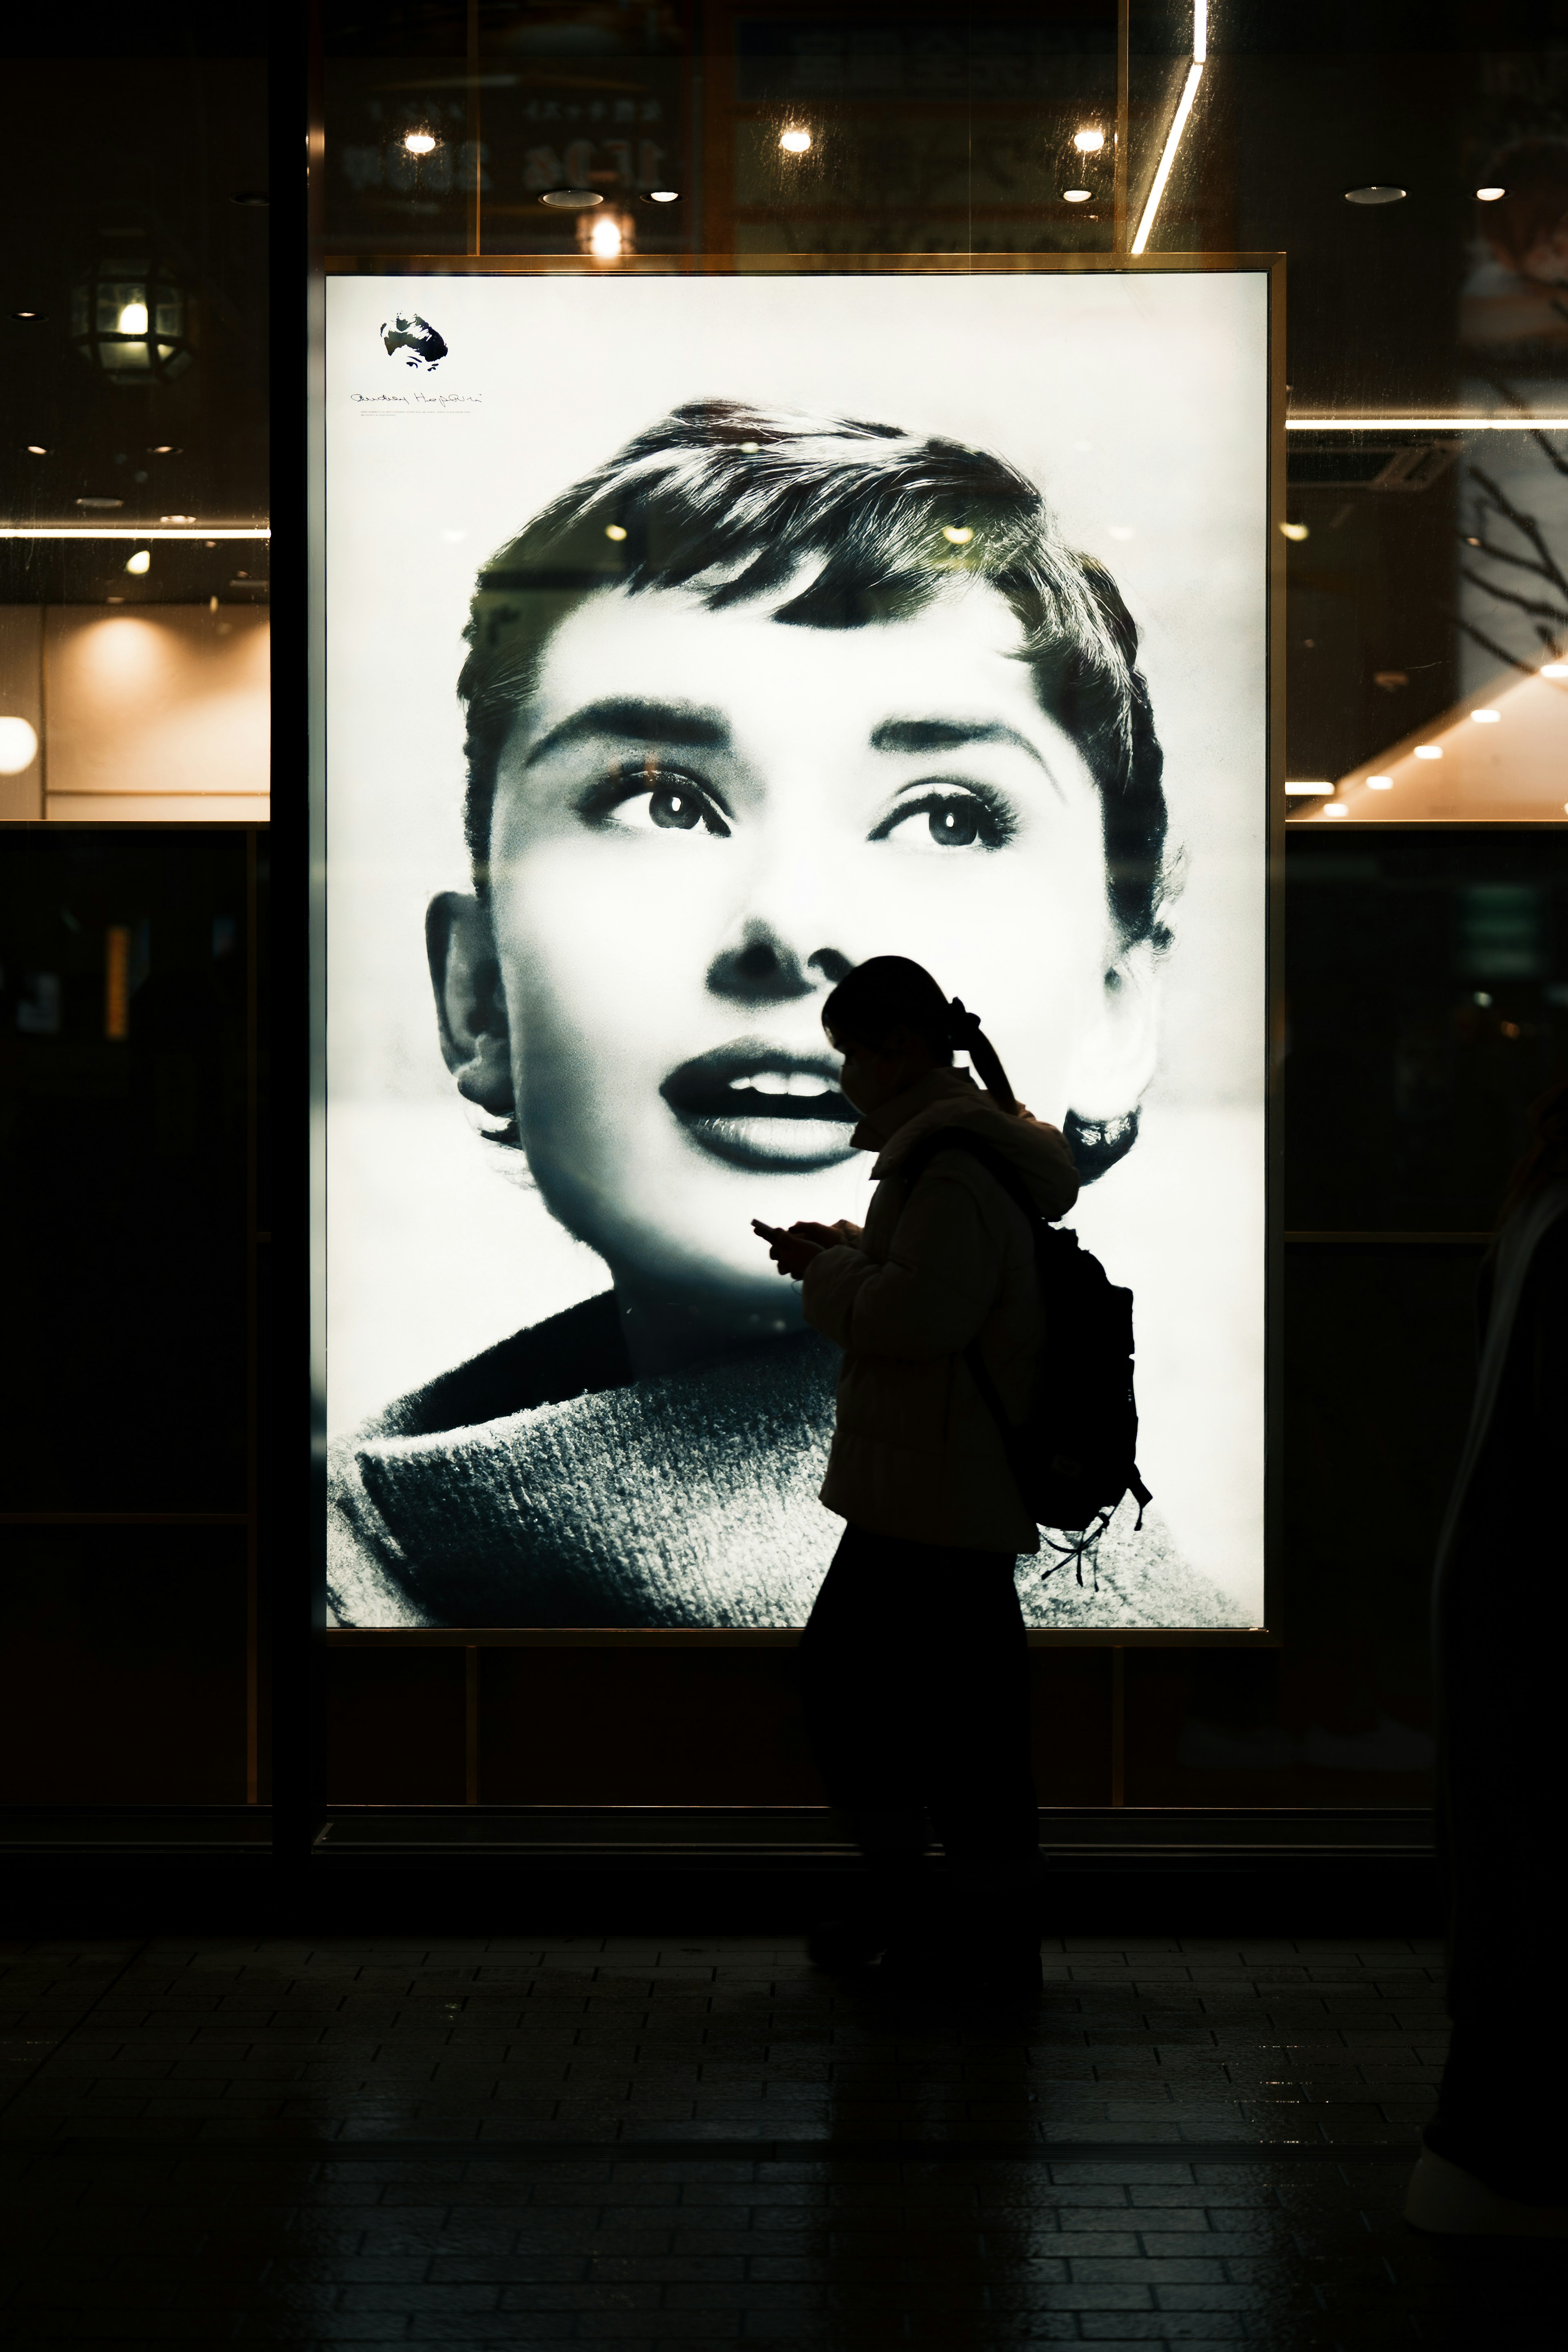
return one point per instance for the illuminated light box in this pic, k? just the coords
(785, 618)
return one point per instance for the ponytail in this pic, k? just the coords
(966, 1036)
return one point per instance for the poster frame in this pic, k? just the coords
(1269, 1634)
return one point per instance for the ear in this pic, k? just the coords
(471, 1005)
(1114, 1061)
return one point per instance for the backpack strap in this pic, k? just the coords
(958, 1138)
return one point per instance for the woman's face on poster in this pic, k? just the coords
(702, 821)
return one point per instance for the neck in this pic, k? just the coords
(665, 1334)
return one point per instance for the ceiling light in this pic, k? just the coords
(1429, 751)
(419, 143)
(1295, 531)
(1295, 790)
(614, 531)
(570, 200)
(163, 449)
(795, 143)
(139, 562)
(604, 238)
(1380, 783)
(663, 195)
(1489, 195)
(1335, 808)
(1486, 717)
(36, 449)
(1555, 669)
(958, 534)
(176, 517)
(131, 319)
(18, 746)
(29, 314)
(1089, 142)
(1075, 195)
(1375, 195)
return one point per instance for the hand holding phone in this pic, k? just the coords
(791, 1253)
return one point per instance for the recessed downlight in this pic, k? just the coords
(1075, 195)
(570, 200)
(1378, 192)
(1089, 142)
(795, 141)
(1489, 195)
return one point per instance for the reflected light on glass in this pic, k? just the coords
(1295, 790)
(959, 534)
(1296, 531)
(1089, 142)
(36, 449)
(614, 531)
(663, 195)
(1075, 195)
(1555, 669)
(795, 143)
(139, 562)
(604, 238)
(1486, 717)
(134, 318)
(1380, 783)
(1335, 808)
(1429, 751)
(419, 143)
(1489, 195)
(18, 746)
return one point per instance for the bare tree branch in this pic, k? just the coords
(1507, 596)
(1525, 524)
(1500, 653)
(1501, 555)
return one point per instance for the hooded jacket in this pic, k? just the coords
(916, 1453)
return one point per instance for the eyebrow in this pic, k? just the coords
(918, 736)
(634, 720)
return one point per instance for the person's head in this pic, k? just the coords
(763, 698)
(893, 1025)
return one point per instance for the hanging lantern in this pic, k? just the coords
(131, 320)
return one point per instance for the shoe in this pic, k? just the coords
(849, 1944)
(1445, 2201)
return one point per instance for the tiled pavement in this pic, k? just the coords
(611, 2141)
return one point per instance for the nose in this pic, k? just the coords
(763, 968)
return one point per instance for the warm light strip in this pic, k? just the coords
(1183, 107)
(1194, 76)
(94, 531)
(1426, 424)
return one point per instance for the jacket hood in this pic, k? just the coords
(945, 1097)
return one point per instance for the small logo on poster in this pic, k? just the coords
(414, 338)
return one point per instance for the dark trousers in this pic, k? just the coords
(915, 1679)
(1502, 1626)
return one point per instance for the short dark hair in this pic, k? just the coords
(741, 498)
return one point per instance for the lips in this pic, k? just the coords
(759, 1108)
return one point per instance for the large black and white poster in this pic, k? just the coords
(690, 640)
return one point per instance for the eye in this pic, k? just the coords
(644, 800)
(951, 819)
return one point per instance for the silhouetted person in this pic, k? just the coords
(914, 1663)
(1495, 2160)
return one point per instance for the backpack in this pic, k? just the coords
(1074, 1454)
